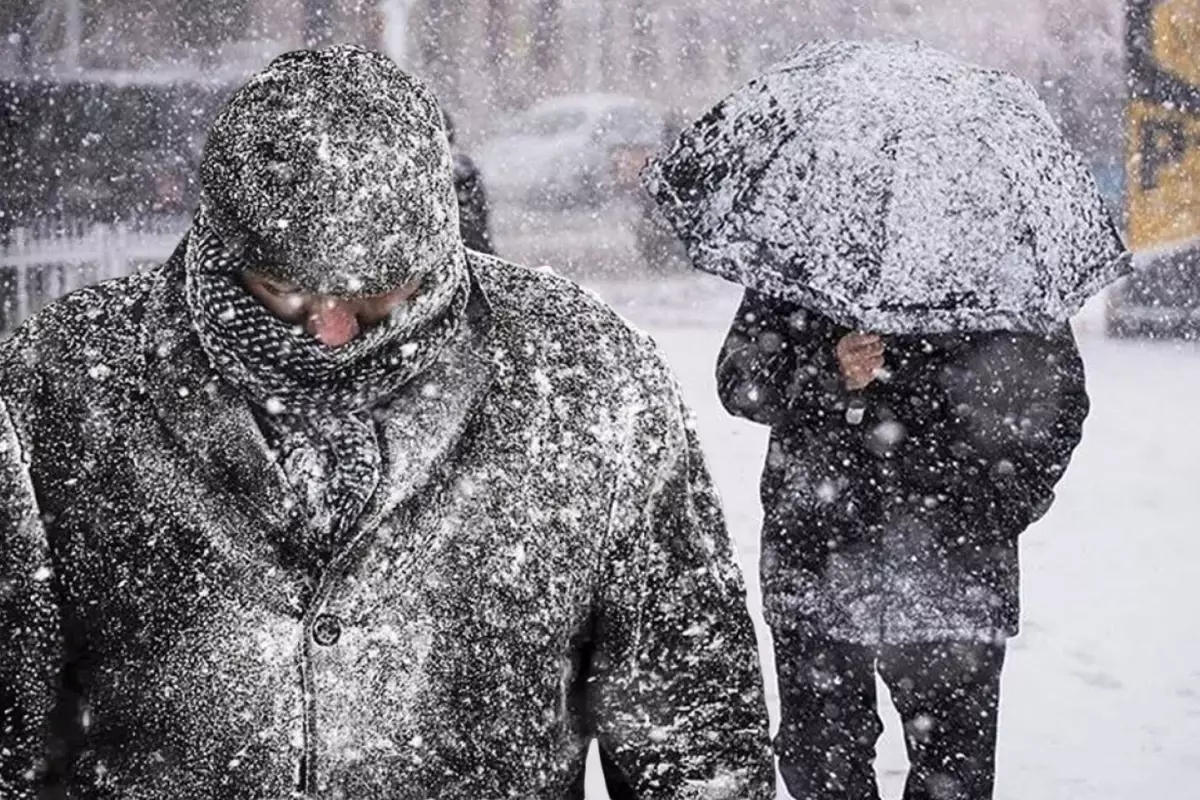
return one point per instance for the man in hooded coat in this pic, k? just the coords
(328, 507)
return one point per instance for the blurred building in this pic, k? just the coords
(161, 40)
(494, 56)
(489, 57)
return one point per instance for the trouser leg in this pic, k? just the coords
(948, 696)
(829, 722)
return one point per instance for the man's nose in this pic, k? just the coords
(333, 322)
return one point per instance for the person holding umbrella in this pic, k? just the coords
(913, 234)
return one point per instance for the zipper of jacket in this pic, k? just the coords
(856, 413)
(881, 543)
(881, 551)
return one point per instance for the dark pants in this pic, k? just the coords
(947, 693)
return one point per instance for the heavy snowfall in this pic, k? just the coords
(1095, 702)
(324, 467)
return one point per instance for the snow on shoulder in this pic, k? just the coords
(566, 323)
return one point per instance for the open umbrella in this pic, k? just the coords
(894, 189)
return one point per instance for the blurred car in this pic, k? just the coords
(575, 150)
(1160, 300)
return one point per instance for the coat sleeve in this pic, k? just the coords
(674, 690)
(30, 627)
(778, 365)
(1018, 403)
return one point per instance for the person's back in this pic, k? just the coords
(368, 528)
(900, 474)
(474, 208)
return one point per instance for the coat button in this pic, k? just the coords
(326, 630)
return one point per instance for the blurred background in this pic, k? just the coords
(556, 103)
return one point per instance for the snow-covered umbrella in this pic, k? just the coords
(895, 189)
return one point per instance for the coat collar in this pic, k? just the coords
(422, 425)
(212, 425)
(215, 429)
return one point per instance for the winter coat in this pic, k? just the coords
(473, 212)
(545, 562)
(891, 515)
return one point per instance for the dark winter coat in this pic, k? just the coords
(473, 211)
(544, 562)
(891, 515)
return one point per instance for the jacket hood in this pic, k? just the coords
(331, 170)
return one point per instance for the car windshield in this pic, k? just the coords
(630, 125)
(549, 123)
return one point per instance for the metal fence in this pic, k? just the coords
(40, 264)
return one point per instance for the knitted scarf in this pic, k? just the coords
(314, 402)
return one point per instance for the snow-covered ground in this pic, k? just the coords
(1101, 694)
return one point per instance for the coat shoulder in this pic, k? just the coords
(557, 321)
(88, 335)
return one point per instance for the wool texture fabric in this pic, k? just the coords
(316, 402)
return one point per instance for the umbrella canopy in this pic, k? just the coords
(892, 188)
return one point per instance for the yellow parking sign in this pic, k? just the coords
(1164, 123)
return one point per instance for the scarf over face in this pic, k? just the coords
(329, 171)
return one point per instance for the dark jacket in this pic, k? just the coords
(891, 515)
(473, 210)
(545, 562)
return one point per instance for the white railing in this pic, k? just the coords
(42, 263)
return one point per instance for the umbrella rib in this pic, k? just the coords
(890, 143)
